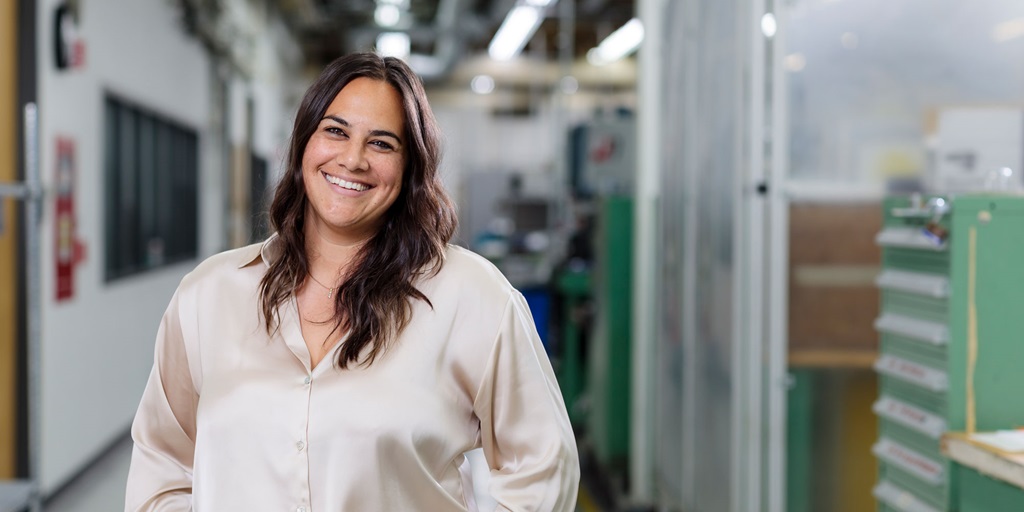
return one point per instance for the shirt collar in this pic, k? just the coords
(268, 252)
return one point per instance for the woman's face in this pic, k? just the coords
(353, 164)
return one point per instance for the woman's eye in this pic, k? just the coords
(334, 130)
(382, 145)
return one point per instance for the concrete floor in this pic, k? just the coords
(100, 488)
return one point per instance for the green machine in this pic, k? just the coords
(952, 341)
(608, 364)
(594, 370)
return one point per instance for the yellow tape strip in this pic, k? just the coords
(972, 326)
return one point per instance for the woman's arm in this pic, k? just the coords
(524, 428)
(160, 477)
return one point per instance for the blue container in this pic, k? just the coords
(539, 301)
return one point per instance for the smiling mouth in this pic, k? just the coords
(350, 185)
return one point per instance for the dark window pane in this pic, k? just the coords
(151, 185)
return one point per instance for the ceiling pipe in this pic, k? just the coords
(447, 47)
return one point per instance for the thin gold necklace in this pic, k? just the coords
(330, 290)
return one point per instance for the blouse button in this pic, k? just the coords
(300, 509)
(300, 445)
(307, 380)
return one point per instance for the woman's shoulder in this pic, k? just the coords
(463, 265)
(224, 265)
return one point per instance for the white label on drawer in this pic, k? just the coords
(921, 330)
(908, 460)
(920, 283)
(909, 237)
(910, 416)
(919, 374)
(899, 499)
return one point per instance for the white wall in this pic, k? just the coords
(97, 348)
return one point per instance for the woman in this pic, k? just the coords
(348, 362)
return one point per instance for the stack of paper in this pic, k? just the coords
(1005, 441)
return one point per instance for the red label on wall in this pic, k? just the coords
(64, 219)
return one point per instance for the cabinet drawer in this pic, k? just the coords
(914, 260)
(932, 356)
(935, 286)
(935, 496)
(916, 306)
(930, 401)
(912, 326)
(892, 497)
(927, 469)
(903, 412)
(919, 443)
(925, 376)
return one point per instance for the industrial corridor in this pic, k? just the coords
(562, 255)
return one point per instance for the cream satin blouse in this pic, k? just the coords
(235, 420)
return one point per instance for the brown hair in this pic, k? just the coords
(375, 301)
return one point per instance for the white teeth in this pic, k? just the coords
(345, 184)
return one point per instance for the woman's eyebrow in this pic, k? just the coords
(375, 133)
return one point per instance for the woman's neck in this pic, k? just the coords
(330, 256)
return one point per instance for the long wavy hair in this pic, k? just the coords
(374, 303)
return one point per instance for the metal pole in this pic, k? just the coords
(33, 294)
(30, 192)
(642, 444)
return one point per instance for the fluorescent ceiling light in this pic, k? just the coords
(1008, 30)
(387, 15)
(768, 25)
(618, 44)
(539, 3)
(482, 84)
(519, 26)
(393, 44)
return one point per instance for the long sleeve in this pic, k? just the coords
(160, 476)
(524, 427)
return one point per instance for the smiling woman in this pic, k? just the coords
(352, 166)
(431, 352)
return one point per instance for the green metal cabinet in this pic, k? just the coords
(608, 375)
(981, 493)
(923, 327)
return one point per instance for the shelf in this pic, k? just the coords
(925, 468)
(899, 499)
(909, 371)
(1006, 467)
(929, 285)
(909, 238)
(831, 358)
(921, 330)
(15, 495)
(909, 416)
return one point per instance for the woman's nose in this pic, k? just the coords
(352, 156)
